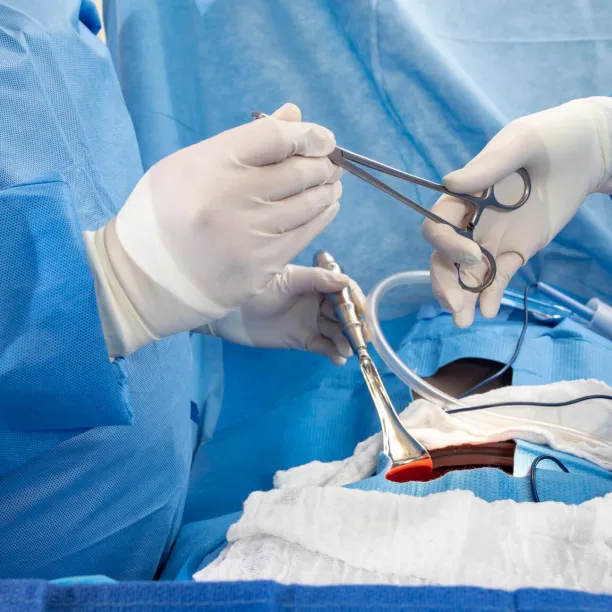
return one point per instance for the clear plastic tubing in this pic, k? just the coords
(388, 355)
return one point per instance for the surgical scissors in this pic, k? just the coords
(349, 160)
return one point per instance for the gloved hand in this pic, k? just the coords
(293, 313)
(567, 152)
(208, 228)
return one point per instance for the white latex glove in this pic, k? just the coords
(208, 228)
(567, 152)
(291, 313)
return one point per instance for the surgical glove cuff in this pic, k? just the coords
(124, 331)
(602, 114)
(138, 238)
(231, 327)
(134, 309)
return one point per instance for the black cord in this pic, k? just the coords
(517, 350)
(534, 465)
(576, 400)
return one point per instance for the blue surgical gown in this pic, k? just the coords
(94, 456)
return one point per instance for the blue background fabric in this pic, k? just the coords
(526, 452)
(198, 544)
(83, 580)
(33, 596)
(566, 351)
(82, 491)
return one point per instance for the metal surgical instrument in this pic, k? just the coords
(349, 160)
(410, 461)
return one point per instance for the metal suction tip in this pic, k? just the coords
(410, 461)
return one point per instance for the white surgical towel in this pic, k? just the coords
(583, 429)
(311, 531)
(330, 535)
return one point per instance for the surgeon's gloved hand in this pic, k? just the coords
(208, 228)
(292, 312)
(567, 152)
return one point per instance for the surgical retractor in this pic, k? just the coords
(410, 460)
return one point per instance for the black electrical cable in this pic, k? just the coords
(576, 400)
(517, 350)
(534, 465)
